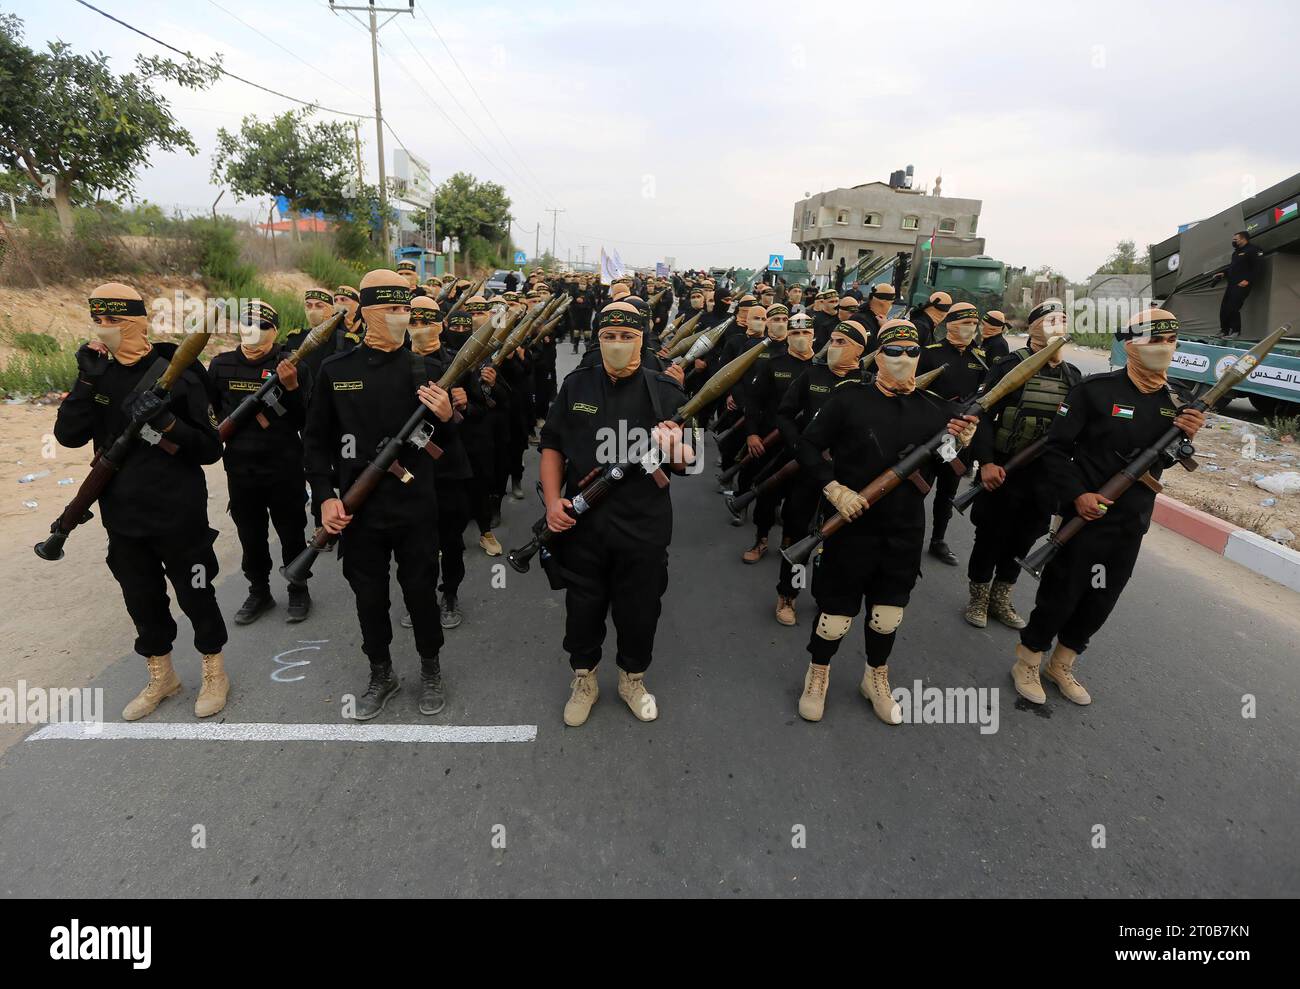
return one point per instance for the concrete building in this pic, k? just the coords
(875, 218)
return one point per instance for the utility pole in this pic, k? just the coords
(374, 27)
(537, 242)
(555, 213)
(582, 257)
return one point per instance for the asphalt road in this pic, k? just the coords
(729, 793)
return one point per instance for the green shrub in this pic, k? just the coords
(36, 374)
(36, 343)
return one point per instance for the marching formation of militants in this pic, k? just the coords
(814, 397)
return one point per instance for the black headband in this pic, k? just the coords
(1045, 309)
(349, 292)
(260, 313)
(319, 294)
(853, 332)
(117, 307)
(1153, 328)
(386, 295)
(994, 321)
(619, 317)
(425, 315)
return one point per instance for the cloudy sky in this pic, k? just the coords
(688, 130)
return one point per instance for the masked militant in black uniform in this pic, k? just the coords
(155, 511)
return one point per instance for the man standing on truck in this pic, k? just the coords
(1241, 273)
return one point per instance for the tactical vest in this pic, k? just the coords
(1032, 416)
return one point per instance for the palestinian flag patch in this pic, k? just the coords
(1121, 411)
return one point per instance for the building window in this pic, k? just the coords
(864, 252)
(974, 222)
(808, 218)
(842, 216)
(830, 252)
(911, 222)
(947, 226)
(871, 219)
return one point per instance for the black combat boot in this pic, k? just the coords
(299, 603)
(258, 602)
(383, 685)
(432, 697)
(940, 551)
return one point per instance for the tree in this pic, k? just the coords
(1124, 260)
(71, 126)
(467, 208)
(309, 164)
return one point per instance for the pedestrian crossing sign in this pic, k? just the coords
(776, 262)
(520, 257)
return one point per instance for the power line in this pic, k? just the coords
(287, 51)
(523, 161)
(468, 116)
(231, 75)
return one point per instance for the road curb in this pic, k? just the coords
(1243, 547)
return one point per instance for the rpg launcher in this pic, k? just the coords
(598, 485)
(1172, 446)
(942, 445)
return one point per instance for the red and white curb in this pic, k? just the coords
(1249, 549)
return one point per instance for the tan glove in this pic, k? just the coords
(846, 501)
(967, 434)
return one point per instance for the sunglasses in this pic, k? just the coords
(901, 350)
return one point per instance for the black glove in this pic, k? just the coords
(149, 407)
(91, 363)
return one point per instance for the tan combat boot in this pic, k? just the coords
(1025, 675)
(755, 552)
(1060, 670)
(1000, 606)
(488, 543)
(583, 693)
(631, 687)
(215, 689)
(163, 683)
(875, 688)
(785, 611)
(812, 704)
(977, 611)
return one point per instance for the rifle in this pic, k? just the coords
(768, 484)
(1172, 444)
(110, 460)
(598, 485)
(1025, 456)
(416, 431)
(268, 396)
(942, 444)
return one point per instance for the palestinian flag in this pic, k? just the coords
(1121, 411)
(1290, 212)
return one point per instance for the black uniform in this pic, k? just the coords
(800, 403)
(615, 560)
(156, 509)
(452, 477)
(364, 397)
(876, 558)
(264, 474)
(925, 327)
(733, 347)
(964, 372)
(1104, 420)
(823, 324)
(771, 377)
(580, 310)
(995, 348)
(1011, 518)
(1244, 266)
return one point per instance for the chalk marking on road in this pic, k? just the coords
(86, 731)
(278, 674)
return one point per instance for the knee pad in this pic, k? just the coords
(885, 618)
(833, 627)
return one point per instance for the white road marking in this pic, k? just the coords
(90, 731)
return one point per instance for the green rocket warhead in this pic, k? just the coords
(723, 381)
(704, 342)
(681, 330)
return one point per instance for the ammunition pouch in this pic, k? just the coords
(1032, 416)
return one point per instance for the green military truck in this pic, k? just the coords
(1182, 280)
(956, 265)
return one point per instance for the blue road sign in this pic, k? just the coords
(520, 257)
(776, 262)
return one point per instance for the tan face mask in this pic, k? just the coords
(1044, 331)
(1148, 364)
(896, 374)
(962, 332)
(424, 339)
(621, 358)
(128, 341)
(778, 329)
(800, 344)
(844, 358)
(881, 306)
(385, 331)
(260, 346)
(316, 316)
